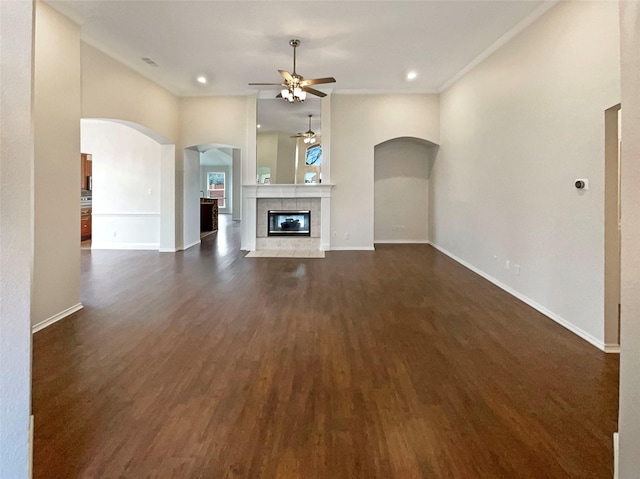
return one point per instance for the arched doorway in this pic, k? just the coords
(133, 186)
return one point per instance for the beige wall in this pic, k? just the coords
(219, 120)
(267, 153)
(111, 90)
(401, 190)
(358, 124)
(630, 334)
(516, 132)
(56, 273)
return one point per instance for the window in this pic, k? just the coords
(217, 187)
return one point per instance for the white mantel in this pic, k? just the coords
(250, 194)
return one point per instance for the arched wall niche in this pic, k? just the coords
(402, 171)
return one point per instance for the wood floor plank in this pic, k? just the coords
(393, 364)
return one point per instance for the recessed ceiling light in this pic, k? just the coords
(202, 79)
(411, 75)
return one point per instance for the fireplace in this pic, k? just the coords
(289, 223)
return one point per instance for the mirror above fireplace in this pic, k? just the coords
(281, 157)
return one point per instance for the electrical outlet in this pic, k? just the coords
(516, 268)
(507, 265)
(149, 191)
(115, 233)
(347, 236)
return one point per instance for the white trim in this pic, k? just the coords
(612, 348)
(385, 91)
(112, 214)
(500, 42)
(525, 299)
(192, 244)
(31, 423)
(616, 451)
(56, 317)
(352, 248)
(123, 245)
(168, 250)
(400, 242)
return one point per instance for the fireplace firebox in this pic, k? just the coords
(289, 223)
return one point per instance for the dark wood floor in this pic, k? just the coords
(393, 364)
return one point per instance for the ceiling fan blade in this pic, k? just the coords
(263, 84)
(316, 81)
(314, 92)
(286, 75)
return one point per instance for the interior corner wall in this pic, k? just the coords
(16, 231)
(56, 271)
(126, 186)
(517, 131)
(358, 124)
(629, 419)
(401, 191)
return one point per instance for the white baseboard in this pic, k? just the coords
(616, 450)
(168, 250)
(525, 299)
(401, 242)
(31, 446)
(352, 248)
(126, 246)
(612, 348)
(56, 317)
(190, 245)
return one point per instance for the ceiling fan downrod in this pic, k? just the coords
(294, 43)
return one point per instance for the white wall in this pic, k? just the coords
(126, 186)
(516, 132)
(16, 232)
(401, 191)
(236, 210)
(630, 333)
(56, 275)
(358, 123)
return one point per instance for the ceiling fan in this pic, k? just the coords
(295, 87)
(309, 136)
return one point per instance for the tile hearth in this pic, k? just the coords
(285, 253)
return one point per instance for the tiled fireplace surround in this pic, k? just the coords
(259, 199)
(264, 241)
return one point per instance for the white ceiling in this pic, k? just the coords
(366, 45)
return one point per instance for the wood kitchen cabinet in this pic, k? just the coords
(86, 170)
(85, 224)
